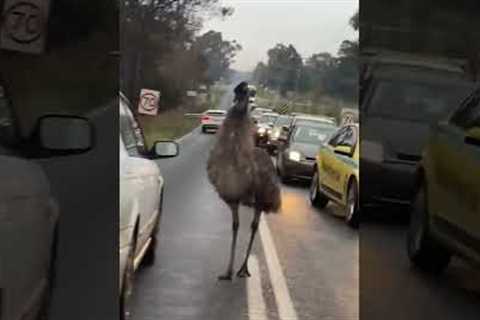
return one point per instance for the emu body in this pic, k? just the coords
(242, 173)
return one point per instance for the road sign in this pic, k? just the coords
(24, 25)
(148, 103)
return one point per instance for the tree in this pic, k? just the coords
(217, 53)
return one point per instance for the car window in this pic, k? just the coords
(312, 134)
(348, 138)
(128, 132)
(337, 137)
(282, 121)
(216, 113)
(267, 118)
(415, 101)
(468, 115)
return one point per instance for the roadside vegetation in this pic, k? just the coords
(173, 123)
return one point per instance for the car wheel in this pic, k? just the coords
(150, 255)
(127, 288)
(317, 198)
(204, 130)
(46, 301)
(352, 211)
(423, 250)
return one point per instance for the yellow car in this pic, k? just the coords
(336, 175)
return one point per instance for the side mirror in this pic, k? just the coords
(164, 149)
(343, 150)
(60, 134)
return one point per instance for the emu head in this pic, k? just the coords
(241, 91)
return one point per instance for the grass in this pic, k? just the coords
(173, 124)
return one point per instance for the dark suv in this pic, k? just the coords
(400, 98)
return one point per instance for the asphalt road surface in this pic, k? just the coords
(391, 289)
(304, 264)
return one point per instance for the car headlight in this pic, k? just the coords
(294, 155)
(269, 131)
(261, 130)
(276, 134)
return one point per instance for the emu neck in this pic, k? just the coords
(240, 109)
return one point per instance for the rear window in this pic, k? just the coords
(216, 113)
(416, 101)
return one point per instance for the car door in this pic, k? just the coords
(144, 177)
(328, 173)
(456, 186)
(342, 163)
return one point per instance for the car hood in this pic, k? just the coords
(306, 149)
(396, 140)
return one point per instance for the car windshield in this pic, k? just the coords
(416, 101)
(308, 122)
(267, 118)
(313, 134)
(282, 121)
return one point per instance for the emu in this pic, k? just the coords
(242, 173)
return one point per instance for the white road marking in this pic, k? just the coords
(285, 307)
(256, 303)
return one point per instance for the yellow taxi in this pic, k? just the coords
(336, 174)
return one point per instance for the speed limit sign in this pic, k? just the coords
(148, 103)
(24, 25)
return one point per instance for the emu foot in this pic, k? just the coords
(243, 272)
(225, 277)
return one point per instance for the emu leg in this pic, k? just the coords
(235, 223)
(243, 272)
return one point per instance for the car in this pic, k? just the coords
(264, 127)
(141, 201)
(212, 119)
(297, 157)
(279, 132)
(29, 213)
(445, 216)
(336, 173)
(400, 97)
(257, 112)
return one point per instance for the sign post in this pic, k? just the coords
(24, 25)
(148, 103)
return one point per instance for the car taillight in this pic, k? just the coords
(205, 118)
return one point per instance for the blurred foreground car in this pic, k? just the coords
(297, 157)
(445, 219)
(212, 119)
(28, 212)
(141, 198)
(336, 173)
(400, 97)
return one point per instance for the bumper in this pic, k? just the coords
(387, 183)
(302, 169)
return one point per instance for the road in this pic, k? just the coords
(391, 289)
(304, 265)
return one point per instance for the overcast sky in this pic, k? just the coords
(312, 26)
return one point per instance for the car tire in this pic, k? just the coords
(150, 255)
(46, 300)
(127, 287)
(423, 251)
(204, 130)
(317, 198)
(352, 209)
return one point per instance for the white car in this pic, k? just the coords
(212, 119)
(29, 215)
(141, 199)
